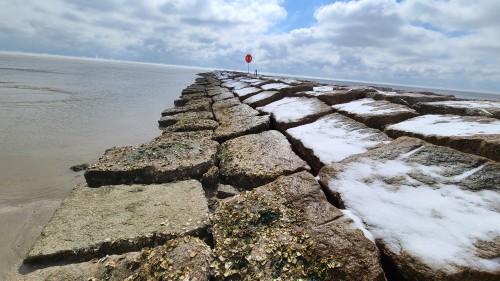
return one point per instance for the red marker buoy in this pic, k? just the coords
(248, 59)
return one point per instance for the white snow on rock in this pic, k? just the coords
(274, 86)
(481, 105)
(449, 125)
(369, 106)
(260, 96)
(246, 91)
(438, 223)
(232, 84)
(323, 88)
(292, 108)
(332, 139)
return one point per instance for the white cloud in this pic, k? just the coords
(430, 42)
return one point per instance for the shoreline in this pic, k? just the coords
(236, 139)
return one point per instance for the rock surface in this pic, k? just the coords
(94, 222)
(168, 120)
(333, 138)
(464, 107)
(246, 92)
(408, 98)
(338, 95)
(194, 105)
(375, 114)
(253, 160)
(168, 158)
(287, 230)
(295, 111)
(433, 210)
(189, 125)
(470, 134)
(186, 258)
(263, 98)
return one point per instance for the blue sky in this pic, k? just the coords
(438, 43)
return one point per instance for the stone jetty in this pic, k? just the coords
(269, 178)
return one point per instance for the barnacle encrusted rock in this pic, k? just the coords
(375, 114)
(168, 158)
(186, 258)
(287, 230)
(186, 125)
(338, 94)
(263, 98)
(253, 160)
(433, 210)
(219, 105)
(168, 120)
(241, 125)
(194, 105)
(94, 222)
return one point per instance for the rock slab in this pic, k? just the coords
(464, 107)
(333, 138)
(470, 134)
(94, 222)
(168, 158)
(253, 160)
(287, 230)
(432, 210)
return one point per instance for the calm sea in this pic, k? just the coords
(58, 112)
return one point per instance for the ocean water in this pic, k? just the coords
(58, 112)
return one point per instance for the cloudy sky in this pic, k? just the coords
(440, 43)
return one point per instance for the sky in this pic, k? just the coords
(436, 43)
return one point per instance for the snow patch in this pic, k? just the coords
(358, 224)
(370, 106)
(274, 86)
(448, 125)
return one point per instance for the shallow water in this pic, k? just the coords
(59, 112)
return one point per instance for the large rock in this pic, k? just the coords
(94, 222)
(375, 114)
(228, 113)
(274, 86)
(168, 120)
(247, 92)
(295, 111)
(170, 157)
(408, 98)
(471, 134)
(193, 105)
(183, 102)
(257, 159)
(263, 98)
(219, 105)
(333, 138)
(241, 125)
(287, 230)
(338, 95)
(186, 258)
(463, 107)
(189, 125)
(433, 210)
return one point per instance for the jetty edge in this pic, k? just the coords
(270, 178)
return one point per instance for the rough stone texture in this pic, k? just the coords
(186, 258)
(297, 111)
(210, 179)
(246, 92)
(94, 222)
(225, 191)
(223, 114)
(183, 102)
(421, 202)
(336, 96)
(408, 98)
(194, 96)
(188, 125)
(287, 230)
(274, 86)
(253, 160)
(290, 91)
(241, 125)
(463, 107)
(216, 90)
(263, 98)
(168, 158)
(223, 96)
(470, 134)
(333, 138)
(172, 119)
(218, 105)
(375, 114)
(193, 105)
